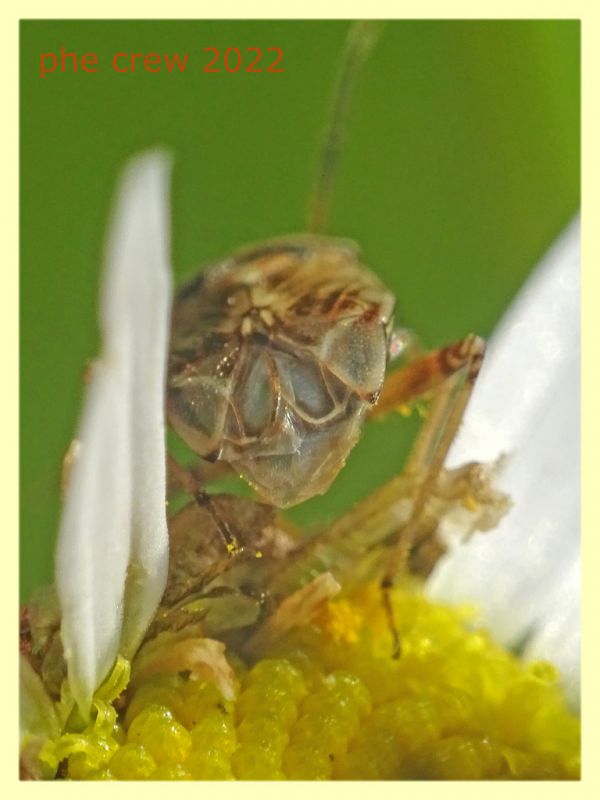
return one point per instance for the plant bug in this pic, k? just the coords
(279, 351)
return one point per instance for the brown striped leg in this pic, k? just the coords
(451, 372)
(427, 373)
(461, 363)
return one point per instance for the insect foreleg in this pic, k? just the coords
(193, 477)
(181, 478)
(190, 482)
(427, 373)
(460, 364)
(451, 372)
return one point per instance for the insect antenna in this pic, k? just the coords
(359, 43)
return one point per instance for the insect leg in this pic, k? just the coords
(427, 373)
(192, 477)
(190, 483)
(451, 372)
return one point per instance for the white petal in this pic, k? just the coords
(533, 348)
(558, 639)
(115, 505)
(523, 576)
(94, 537)
(140, 249)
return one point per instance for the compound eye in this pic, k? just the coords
(357, 354)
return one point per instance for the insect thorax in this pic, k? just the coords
(276, 354)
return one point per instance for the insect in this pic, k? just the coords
(279, 352)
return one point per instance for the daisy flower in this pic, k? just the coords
(162, 657)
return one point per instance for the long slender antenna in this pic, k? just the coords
(359, 43)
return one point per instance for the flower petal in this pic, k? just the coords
(114, 509)
(140, 250)
(94, 537)
(558, 638)
(524, 576)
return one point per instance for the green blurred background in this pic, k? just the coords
(461, 166)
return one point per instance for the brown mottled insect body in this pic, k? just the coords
(277, 353)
